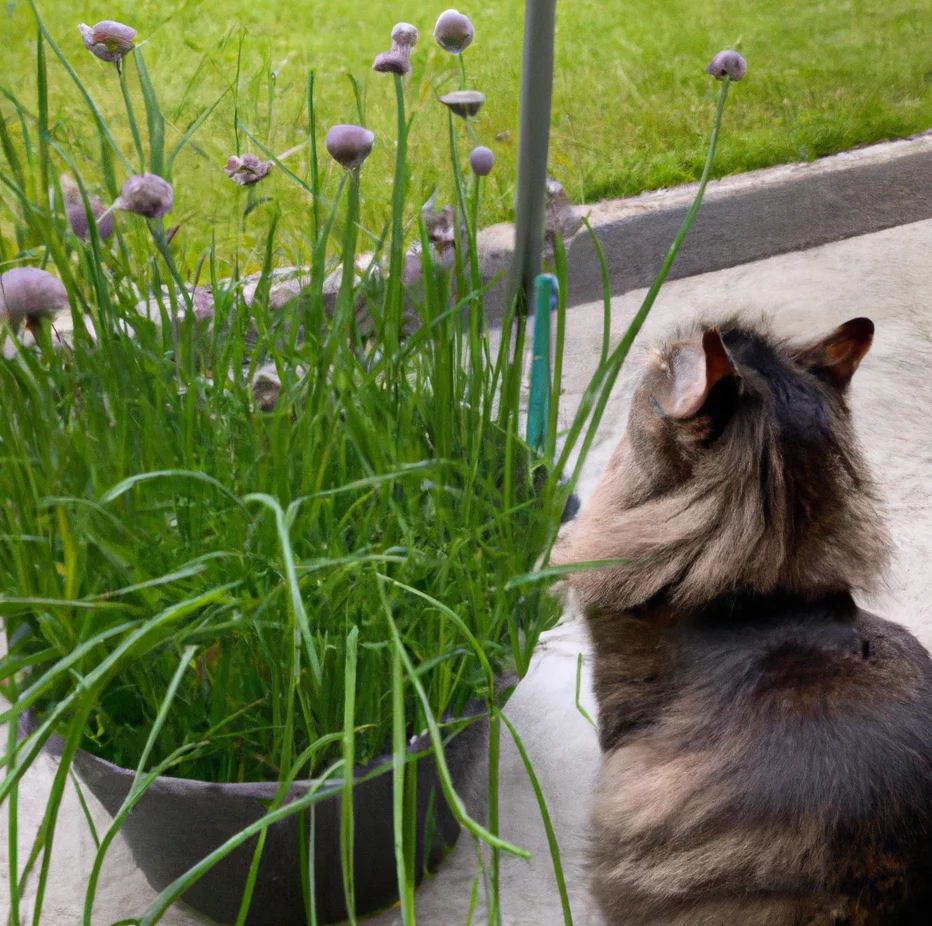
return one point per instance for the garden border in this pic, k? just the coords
(744, 218)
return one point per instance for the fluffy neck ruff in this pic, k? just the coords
(761, 511)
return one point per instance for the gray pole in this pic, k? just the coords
(530, 197)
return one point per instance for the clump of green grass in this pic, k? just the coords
(145, 476)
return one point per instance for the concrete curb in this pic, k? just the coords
(743, 218)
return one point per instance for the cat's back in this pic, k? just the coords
(786, 780)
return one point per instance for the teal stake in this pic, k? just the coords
(546, 289)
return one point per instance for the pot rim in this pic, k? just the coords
(419, 745)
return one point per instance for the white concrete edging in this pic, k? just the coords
(743, 218)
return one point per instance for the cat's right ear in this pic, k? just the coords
(835, 358)
(694, 370)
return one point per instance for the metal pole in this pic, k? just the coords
(533, 143)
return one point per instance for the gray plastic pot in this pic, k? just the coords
(179, 821)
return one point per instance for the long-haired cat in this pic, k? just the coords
(767, 744)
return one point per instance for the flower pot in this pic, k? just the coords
(179, 821)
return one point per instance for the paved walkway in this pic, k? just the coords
(887, 276)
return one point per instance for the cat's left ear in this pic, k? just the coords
(836, 357)
(696, 368)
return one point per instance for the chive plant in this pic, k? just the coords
(199, 588)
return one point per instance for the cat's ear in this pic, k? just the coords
(695, 369)
(836, 357)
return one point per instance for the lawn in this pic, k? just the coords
(631, 104)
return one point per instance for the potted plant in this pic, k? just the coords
(280, 619)
(266, 633)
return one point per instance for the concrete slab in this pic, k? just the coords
(888, 276)
(755, 215)
(744, 218)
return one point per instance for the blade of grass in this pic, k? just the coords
(299, 613)
(131, 118)
(606, 293)
(552, 572)
(98, 118)
(399, 757)
(607, 374)
(394, 293)
(545, 818)
(312, 159)
(57, 791)
(349, 765)
(12, 809)
(159, 906)
(154, 117)
(579, 707)
(125, 485)
(92, 829)
(191, 131)
(453, 799)
(140, 783)
(43, 114)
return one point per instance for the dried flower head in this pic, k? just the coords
(727, 64)
(441, 229)
(76, 214)
(398, 60)
(464, 103)
(349, 145)
(440, 225)
(31, 294)
(454, 32)
(246, 170)
(108, 40)
(481, 160)
(563, 219)
(147, 195)
(266, 387)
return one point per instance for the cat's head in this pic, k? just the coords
(739, 471)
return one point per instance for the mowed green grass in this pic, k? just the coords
(632, 105)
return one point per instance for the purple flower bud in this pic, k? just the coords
(727, 64)
(398, 60)
(147, 195)
(481, 160)
(453, 32)
(246, 170)
(77, 217)
(76, 214)
(30, 293)
(349, 145)
(392, 62)
(464, 103)
(404, 35)
(108, 40)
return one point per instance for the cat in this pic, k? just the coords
(767, 744)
